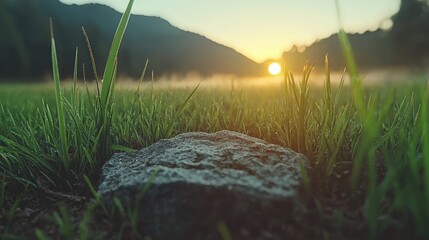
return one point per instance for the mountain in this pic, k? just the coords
(26, 47)
(404, 45)
(371, 49)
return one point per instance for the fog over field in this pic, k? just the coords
(370, 78)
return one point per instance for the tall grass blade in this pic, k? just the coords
(59, 101)
(142, 76)
(113, 54)
(328, 92)
(2, 190)
(40, 235)
(119, 148)
(352, 68)
(96, 195)
(367, 150)
(74, 87)
(224, 231)
(425, 135)
(94, 65)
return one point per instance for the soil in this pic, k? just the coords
(334, 215)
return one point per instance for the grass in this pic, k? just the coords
(330, 122)
(370, 132)
(369, 143)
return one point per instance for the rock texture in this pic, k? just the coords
(206, 179)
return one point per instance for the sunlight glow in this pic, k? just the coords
(274, 68)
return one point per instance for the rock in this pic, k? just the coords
(206, 179)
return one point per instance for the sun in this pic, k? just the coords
(274, 68)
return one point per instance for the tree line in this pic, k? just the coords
(405, 44)
(25, 43)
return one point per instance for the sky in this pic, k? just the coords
(262, 29)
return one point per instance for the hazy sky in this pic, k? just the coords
(262, 29)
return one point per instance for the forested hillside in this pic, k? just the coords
(406, 44)
(25, 44)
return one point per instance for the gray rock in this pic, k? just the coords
(205, 179)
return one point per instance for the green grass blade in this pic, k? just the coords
(370, 132)
(40, 235)
(59, 101)
(142, 76)
(84, 225)
(224, 231)
(96, 195)
(181, 109)
(328, 92)
(113, 53)
(425, 143)
(349, 55)
(74, 87)
(352, 68)
(119, 148)
(118, 204)
(346, 46)
(2, 190)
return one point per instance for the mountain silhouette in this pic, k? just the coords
(372, 49)
(170, 50)
(404, 45)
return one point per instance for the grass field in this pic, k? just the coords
(321, 122)
(368, 147)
